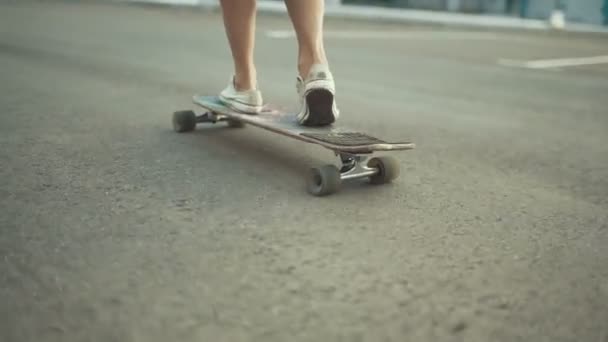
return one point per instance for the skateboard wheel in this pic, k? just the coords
(388, 170)
(184, 121)
(324, 180)
(235, 124)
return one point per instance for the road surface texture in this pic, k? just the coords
(115, 228)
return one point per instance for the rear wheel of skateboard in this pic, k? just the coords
(388, 170)
(235, 124)
(184, 121)
(324, 180)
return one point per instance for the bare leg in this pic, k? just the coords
(307, 19)
(315, 84)
(239, 22)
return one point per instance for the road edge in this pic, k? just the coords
(395, 15)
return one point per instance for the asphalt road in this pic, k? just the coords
(115, 228)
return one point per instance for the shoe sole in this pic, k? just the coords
(320, 108)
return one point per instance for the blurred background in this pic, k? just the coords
(113, 227)
(581, 11)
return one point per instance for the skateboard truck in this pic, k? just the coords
(186, 120)
(327, 179)
(210, 117)
(353, 166)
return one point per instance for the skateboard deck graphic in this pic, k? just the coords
(353, 147)
(331, 137)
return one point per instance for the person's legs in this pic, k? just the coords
(315, 82)
(307, 19)
(239, 22)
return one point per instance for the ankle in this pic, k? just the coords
(244, 83)
(245, 79)
(306, 63)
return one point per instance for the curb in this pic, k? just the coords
(395, 15)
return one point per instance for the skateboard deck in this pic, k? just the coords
(338, 139)
(354, 148)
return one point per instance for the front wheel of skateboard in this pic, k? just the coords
(324, 180)
(184, 121)
(388, 170)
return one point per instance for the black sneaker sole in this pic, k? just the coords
(320, 102)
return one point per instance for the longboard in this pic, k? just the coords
(352, 146)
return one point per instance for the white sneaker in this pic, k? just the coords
(316, 93)
(249, 101)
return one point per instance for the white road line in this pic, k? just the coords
(417, 35)
(554, 63)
